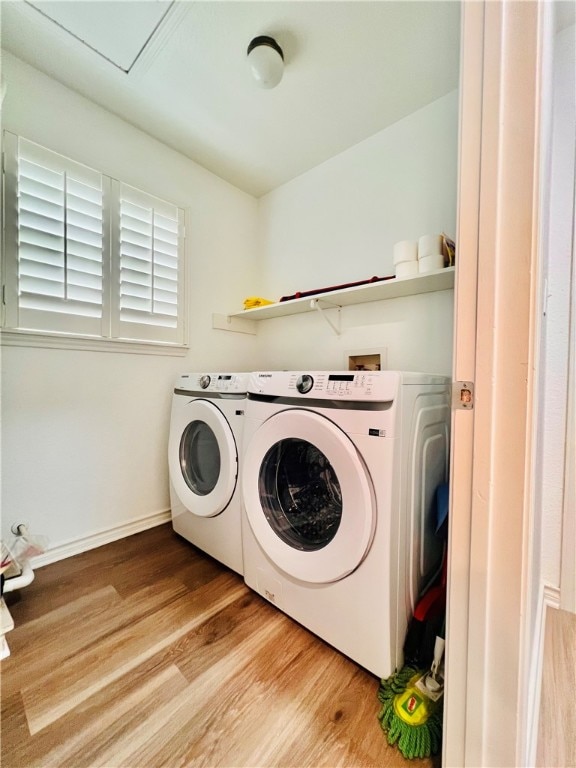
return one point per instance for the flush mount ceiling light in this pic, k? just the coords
(266, 61)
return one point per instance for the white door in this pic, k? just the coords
(203, 457)
(487, 643)
(308, 496)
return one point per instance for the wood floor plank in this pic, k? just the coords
(318, 711)
(199, 570)
(222, 634)
(123, 650)
(128, 711)
(147, 653)
(556, 746)
(275, 724)
(114, 564)
(193, 571)
(272, 718)
(174, 726)
(57, 641)
(343, 719)
(15, 733)
(38, 643)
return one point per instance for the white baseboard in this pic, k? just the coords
(93, 540)
(549, 598)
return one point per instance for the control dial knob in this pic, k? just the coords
(304, 383)
(204, 381)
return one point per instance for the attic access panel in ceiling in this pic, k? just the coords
(116, 30)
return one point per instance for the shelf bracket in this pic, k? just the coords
(235, 324)
(317, 304)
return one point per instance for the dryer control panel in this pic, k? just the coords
(233, 383)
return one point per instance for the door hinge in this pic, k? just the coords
(463, 395)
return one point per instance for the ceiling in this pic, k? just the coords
(178, 70)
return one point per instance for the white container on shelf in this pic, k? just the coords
(430, 245)
(405, 250)
(406, 268)
(431, 263)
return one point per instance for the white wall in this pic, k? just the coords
(84, 434)
(415, 332)
(339, 222)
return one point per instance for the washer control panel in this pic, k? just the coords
(233, 383)
(336, 385)
(380, 386)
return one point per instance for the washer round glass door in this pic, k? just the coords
(300, 494)
(308, 496)
(203, 458)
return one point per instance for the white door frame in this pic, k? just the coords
(495, 330)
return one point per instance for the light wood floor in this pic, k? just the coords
(557, 726)
(145, 652)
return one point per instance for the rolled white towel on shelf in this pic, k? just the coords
(430, 245)
(405, 250)
(406, 268)
(431, 263)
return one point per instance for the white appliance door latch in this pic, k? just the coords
(463, 395)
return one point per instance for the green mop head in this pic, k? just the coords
(409, 715)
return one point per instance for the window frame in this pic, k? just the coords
(70, 332)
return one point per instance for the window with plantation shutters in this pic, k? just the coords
(147, 279)
(86, 255)
(57, 248)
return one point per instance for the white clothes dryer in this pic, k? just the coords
(203, 458)
(339, 476)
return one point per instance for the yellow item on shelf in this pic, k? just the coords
(255, 301)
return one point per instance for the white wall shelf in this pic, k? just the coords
(244, 321)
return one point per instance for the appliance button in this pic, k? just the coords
(304, 384)
(204, 381)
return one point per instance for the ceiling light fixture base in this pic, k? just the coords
(266, 61)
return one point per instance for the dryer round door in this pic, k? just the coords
(308, 496)
(203, 458)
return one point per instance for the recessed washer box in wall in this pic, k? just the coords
(374, 359)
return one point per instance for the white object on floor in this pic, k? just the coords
(18, 582)
(6, 624)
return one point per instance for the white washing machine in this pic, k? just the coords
(339, 476)
(203, 457)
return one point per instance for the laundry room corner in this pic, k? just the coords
(351, 210)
